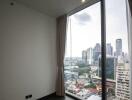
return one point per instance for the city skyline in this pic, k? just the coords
(82, 32)
(83, 66)
(108, 52)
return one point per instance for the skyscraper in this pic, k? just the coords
(96, 52)
(122, 80)
(90, 56)
(109, 49)
(84, 56)
(97, 47)
(111, 63)
(118, 47)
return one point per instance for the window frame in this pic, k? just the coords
(103, 41)
(103, 38)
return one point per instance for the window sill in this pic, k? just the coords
(73, 95)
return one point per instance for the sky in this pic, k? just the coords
(84, 27)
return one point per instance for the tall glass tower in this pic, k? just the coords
(118, 47)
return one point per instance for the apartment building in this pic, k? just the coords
(122, 81)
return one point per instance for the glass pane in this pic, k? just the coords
(117, 62)
(83, 52)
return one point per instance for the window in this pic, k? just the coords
(83, 51)
(117, 50)
(83, 70)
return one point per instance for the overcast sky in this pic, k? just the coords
(85, 27)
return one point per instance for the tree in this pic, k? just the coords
(81, 65)
(82, 71)
(91, 85)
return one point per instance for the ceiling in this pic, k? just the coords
(53, 8)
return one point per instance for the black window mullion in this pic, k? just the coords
(103, 49)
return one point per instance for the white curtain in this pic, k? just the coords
(129, 23)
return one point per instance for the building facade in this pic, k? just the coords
(122, 80)
(96, 53)
(118, 47)
(109, 49)
(84, 56)
(111, 63)
(90, 56)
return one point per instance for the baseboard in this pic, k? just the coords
(45, 97)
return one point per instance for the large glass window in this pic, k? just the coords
(117, 57)
(83, 53)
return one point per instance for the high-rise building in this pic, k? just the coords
(96, 52)
(90, 56)
(84, 56)
(118, 47)
(109, 49)
(97, 47)
(126, 58)
(122, 80)
(111, 63)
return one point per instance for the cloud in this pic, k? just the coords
(82, 18)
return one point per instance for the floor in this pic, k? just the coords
(59, 98)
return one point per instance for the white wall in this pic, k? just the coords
(28, 62)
